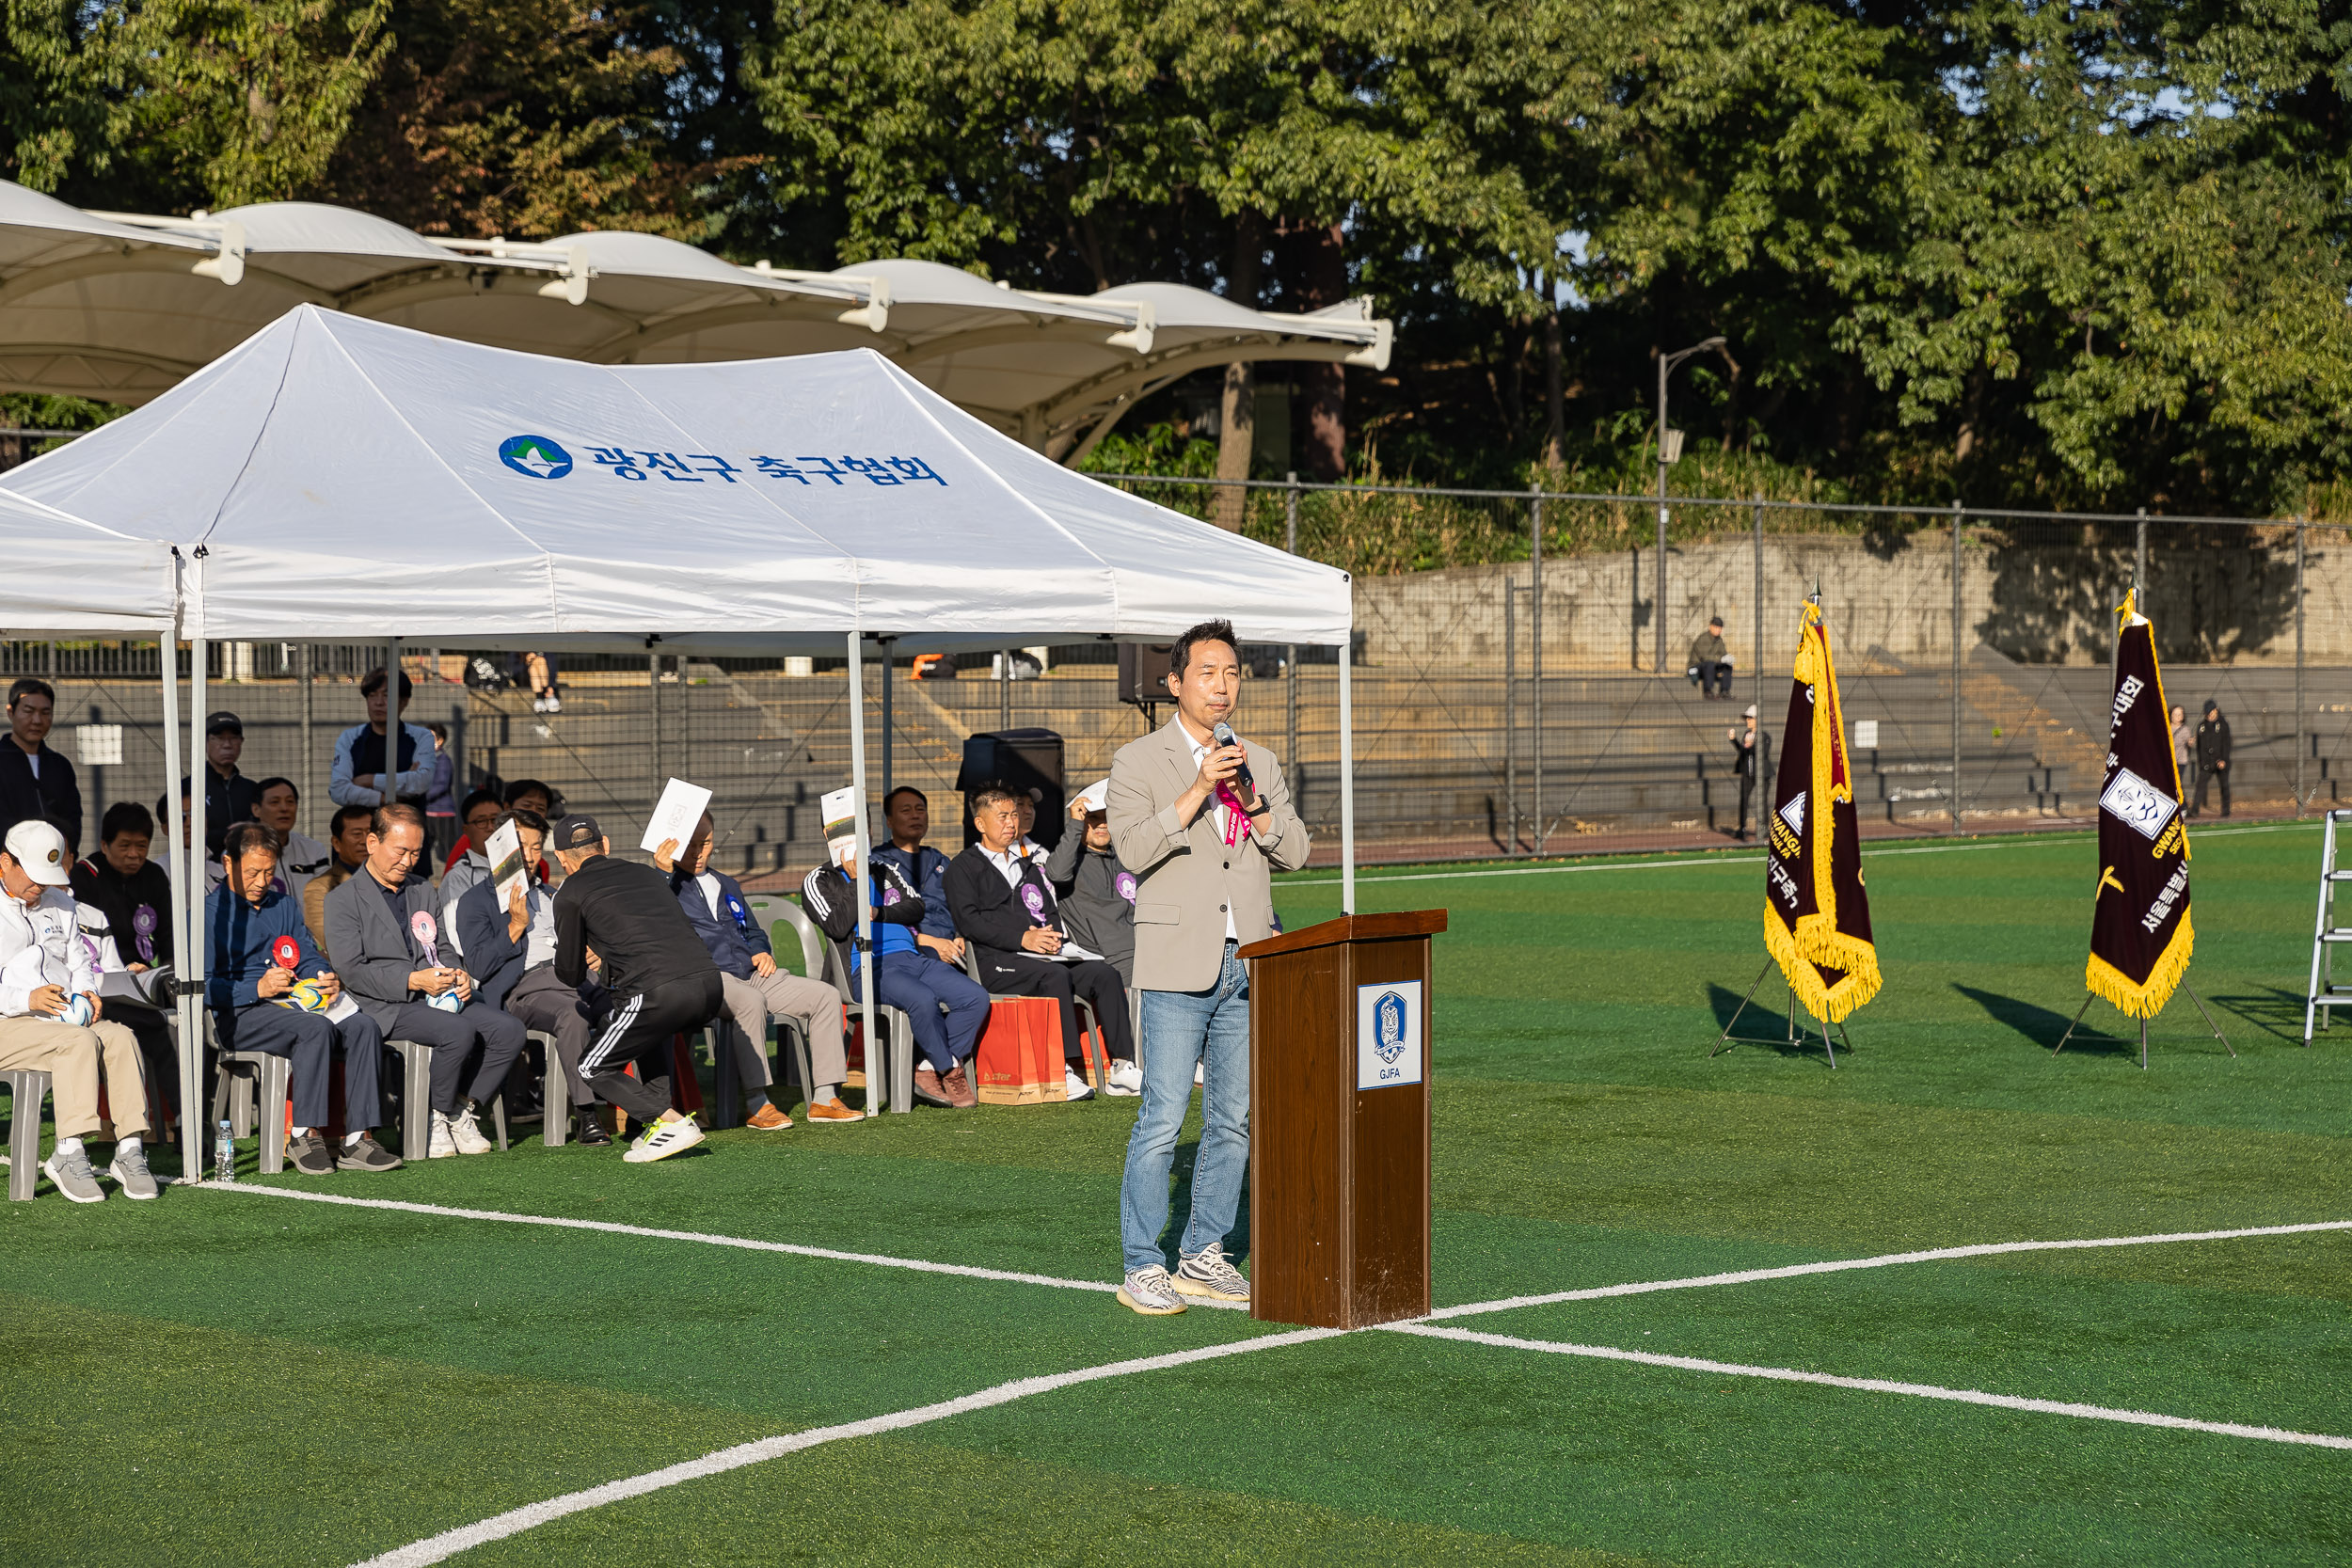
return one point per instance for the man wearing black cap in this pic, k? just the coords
(621, 919)
(229, 795)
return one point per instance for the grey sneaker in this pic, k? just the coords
(130, 1173)
(1207, 1274)
(366, 1154)
(1147, 1290)
(73, 1177)
(308, 1154)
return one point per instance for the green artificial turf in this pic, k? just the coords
(230, 1377)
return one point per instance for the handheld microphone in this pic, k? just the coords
(1223, 735)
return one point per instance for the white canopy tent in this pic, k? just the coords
(121, 307)
(334, 479)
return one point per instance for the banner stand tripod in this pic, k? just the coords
(1728, 1038)
(2143, 1028)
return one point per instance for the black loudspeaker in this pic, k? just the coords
(1143, 672)
(1020, 759)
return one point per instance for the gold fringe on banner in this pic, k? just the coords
(1816, 943)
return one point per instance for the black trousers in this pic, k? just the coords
(2207, 773)
(454, 1037)
(1747, 788)
(1026, 974)
(1715, 677)
(639, 1030)
(308, 1040)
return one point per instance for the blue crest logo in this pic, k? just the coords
(1389, 1015)
(534, 457)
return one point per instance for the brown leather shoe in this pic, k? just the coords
(832, 1109)
(769, 1119)
(928, 1089)
(957, 1082)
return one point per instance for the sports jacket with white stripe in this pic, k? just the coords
(627, 913)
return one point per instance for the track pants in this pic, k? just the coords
(1026, 974)
(308, 1042)
(639, 1030)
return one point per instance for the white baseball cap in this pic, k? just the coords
(40, 849)
(1751, 713)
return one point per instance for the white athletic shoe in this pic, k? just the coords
(555, 704)
(443, 1143)
(1124, 1078)
(468, 1133)
(538, 704)
(663, 1139)
(1075, 1086)
(1200, 1074)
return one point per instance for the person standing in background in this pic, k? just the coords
(440, 799)
(2184, 744)
(1743, 763)
(229, 795)
(36, 783)
(2213, 757)
(361, 774)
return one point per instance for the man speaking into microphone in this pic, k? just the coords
(1201, 818)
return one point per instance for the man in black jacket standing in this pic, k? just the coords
(1006, 910)
(35, 782)
(621, 918)
(2213, 758)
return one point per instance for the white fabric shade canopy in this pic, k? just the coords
(348, 480)
(123, 307)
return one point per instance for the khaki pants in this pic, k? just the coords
(71, 1058)
(784, 994)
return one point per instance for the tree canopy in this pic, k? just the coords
(2044, 254)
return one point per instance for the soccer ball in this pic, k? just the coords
(304, 996)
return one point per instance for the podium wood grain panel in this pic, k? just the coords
(1339, 1176)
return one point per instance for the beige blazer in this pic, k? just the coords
(1187, 879)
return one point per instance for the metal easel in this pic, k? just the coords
(1728, 1038)
(2143, 1028)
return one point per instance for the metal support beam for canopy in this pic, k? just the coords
(1347, 781)
(875, 1058)
(184, 927)
(194, 1111)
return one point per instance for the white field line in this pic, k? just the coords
(652, 1234)
(1885, 1260)
(1701, 862)
(1878, 1386)
(437, 1548)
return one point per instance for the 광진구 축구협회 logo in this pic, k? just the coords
(534, 455)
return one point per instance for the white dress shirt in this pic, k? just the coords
(1224, 813)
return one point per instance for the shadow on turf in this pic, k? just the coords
(1766, 1028)
(2045, 1029)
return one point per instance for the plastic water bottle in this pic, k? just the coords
(225, 1153)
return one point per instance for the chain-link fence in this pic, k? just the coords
(1540, 701)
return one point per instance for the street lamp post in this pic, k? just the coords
(1666, 362)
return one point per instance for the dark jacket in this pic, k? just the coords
(240, 943)
(925, 871)
(1098, 899)
(897, 911)
(625, 911)
(1744, 747)
(732, 936)
(492, 957)
(374, 953)
(226, 803)
(137, 908)
(54, 795)
(2213, 743)
(988, 915)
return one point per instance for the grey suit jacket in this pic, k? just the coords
(369, 952)
(1187, 877)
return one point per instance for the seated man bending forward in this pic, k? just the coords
(1005, 908)
(385, 944)
(756, 989)
(249, 925)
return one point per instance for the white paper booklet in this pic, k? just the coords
(505, 854)
(675, 815)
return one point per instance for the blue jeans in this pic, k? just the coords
(1179, 1029)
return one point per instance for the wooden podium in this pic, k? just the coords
(1339, 1114)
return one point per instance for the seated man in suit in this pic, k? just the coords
(248, 927)
(510, 951)
(756, 989)
(1005, 908)
(386, 942)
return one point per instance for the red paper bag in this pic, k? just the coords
(1020, 1060)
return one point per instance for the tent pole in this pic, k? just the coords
(887, 734)
(192, 1127)
(395, 715)
(192, 957)
(875, 1076)
(1347, 780)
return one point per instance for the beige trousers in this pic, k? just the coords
(784, 994)
(72, 1057)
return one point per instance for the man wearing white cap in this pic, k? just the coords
(1744, 762)
(49, 1017)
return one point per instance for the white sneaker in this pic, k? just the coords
(555, 704)
(468, 1133)
(1075, 1086)
(663, 1139)
(1200, 1074)
(538, 704)
(1124, 1078)
(443, 1143)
